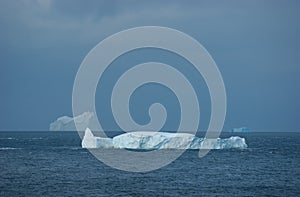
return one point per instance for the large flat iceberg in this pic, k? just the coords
(144, 140)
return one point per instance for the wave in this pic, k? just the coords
(9, 148)
(67, 147)
(31, 139)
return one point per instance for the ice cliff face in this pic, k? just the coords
(66, 123)
(153, 140)
(90, 141)
(160, 140)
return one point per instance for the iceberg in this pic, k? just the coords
(66, 123)
(145, 140)
(90, 141)
(241, 129)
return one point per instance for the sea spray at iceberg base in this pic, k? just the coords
(144, 140)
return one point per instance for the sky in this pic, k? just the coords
(255, 44)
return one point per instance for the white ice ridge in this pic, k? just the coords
(66, 123)
(144, 140)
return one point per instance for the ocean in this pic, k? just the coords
(54, 164)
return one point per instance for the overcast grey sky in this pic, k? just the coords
(254, 43)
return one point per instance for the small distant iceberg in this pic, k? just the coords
(241, 129)
(66, 123)
(144, 140)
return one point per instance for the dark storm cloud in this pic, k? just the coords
(255, 44)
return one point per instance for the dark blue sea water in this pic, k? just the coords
(54, 164)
